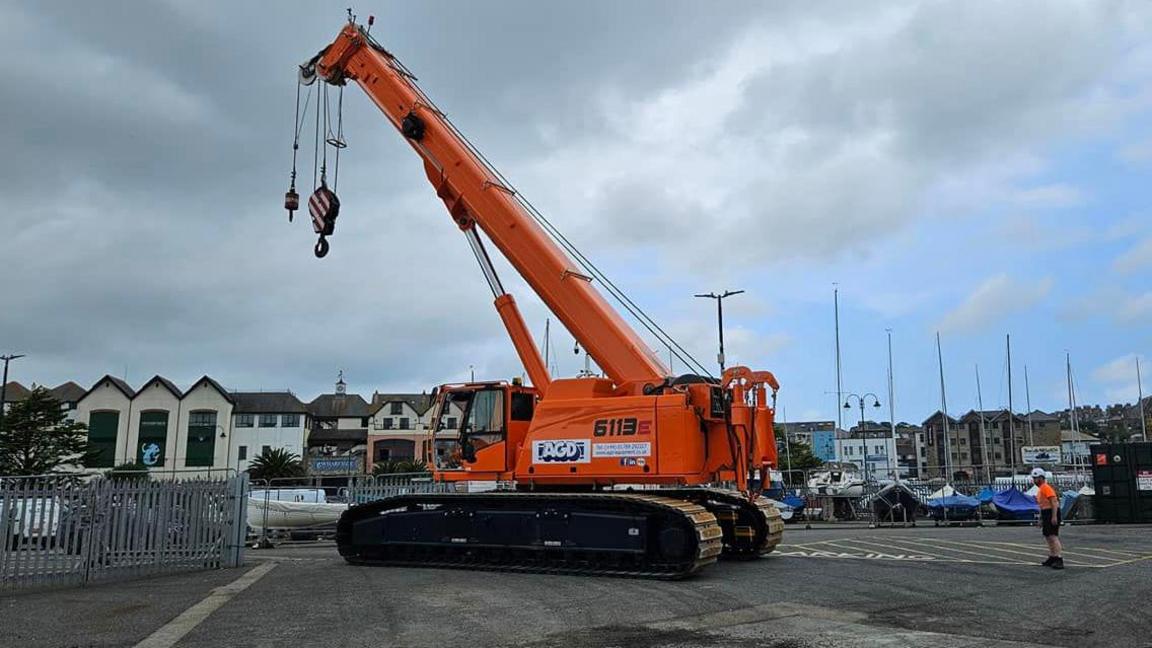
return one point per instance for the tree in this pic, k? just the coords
(396, 466)
(129, 472)
(276, 463)
(801, 456)
(38, 438)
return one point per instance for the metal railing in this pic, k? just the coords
(368, 488)
(862, 501)
(76, 529)
(305, 509)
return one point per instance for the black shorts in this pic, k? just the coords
(1046, 525)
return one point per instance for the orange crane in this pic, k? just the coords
(571, 446)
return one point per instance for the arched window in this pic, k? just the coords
(201, 438)
(153, 438)
(102, 429)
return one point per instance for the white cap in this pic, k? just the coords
(1038, 472)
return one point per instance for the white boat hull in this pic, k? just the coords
(273, 514)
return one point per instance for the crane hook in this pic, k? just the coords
(324, 207)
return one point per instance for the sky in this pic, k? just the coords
(976, 170)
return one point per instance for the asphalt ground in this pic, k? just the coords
(827, 587)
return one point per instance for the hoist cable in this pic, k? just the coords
(324, 140)
(621, 297)
(339, 136)
(316, 145)
(296, 135)
(616, 292)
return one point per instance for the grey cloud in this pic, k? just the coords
(147, 149)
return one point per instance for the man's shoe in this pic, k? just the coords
(1057, 564)
(1048, 563)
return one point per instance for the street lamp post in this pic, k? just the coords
(4, 385)
(720, 319)
(862, 400)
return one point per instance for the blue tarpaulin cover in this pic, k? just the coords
(794, 501)
(954, 501)
(953, 507)
(985, 496)
(1067, 501)
(1013, 504)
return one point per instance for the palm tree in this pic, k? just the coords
(394, 466)
(276, 463)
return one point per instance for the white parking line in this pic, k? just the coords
(174, 630)
(985, 556)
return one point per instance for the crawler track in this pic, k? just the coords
(750, 529)
(613, 533)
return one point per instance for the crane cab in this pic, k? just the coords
(478, 427)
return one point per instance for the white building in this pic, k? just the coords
(262, 421)
(185, 434)
(872, 455)
(107, 410)
(400, 428)
(151, 438)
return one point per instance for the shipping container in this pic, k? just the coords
(1122, 473)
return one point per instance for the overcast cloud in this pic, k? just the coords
(913, 152)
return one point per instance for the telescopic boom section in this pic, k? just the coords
(474, 195)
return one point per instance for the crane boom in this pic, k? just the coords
(561, 447)
(476, 197)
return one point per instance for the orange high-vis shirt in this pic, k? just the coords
(1044, 496)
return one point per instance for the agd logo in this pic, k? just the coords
(561, 451)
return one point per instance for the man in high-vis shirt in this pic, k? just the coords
(1049, 518)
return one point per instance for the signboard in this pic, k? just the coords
(824, 444)
(336, 465)
(1041, 454)
(1076, 450)
(1144, 480)
(634, 449)
(561, 451)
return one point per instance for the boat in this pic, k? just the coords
(837, 480)
(292, 511)
(894, 503)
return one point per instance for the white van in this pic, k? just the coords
(31, 519)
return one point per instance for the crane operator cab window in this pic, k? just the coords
(468, 422)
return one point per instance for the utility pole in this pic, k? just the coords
(787, 440)
(4, 385)
(862, 400)
(720, 319)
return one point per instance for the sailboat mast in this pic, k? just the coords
(1028, 404)
(547, 341)
(944, 411)
(1140, 402)
(839, 380)
(1011, 410)
(988, 463)
(893, 464)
